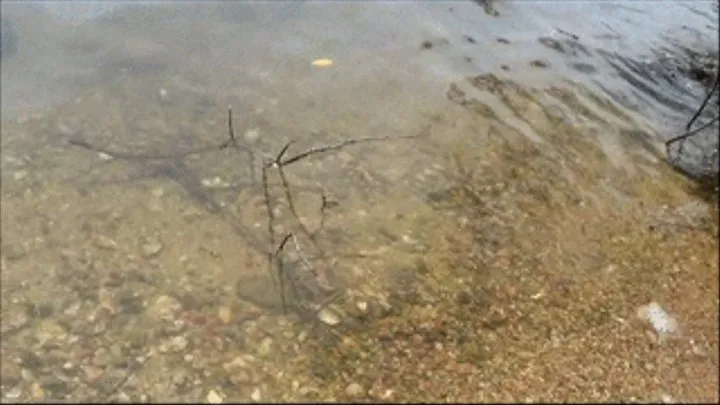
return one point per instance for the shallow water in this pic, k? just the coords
(135, 268)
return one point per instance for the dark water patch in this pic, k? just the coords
(635, 67)
(584, 68)
(566, 47)
(540, 64)
(488, 6)
(630, 73)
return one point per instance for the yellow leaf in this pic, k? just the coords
(323, 62)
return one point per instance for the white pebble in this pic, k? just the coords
(214, 398)
(355, 390)
(328, 316)
(13, 393)
(664, 324)
(256, 395)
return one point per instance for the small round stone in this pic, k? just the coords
(355, 390)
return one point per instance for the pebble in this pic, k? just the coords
(151, 248)
(265, 347)
(214, 398)
(664, 324)
(238, 363)
(215, 182)
(105, 242)
(696, 349)
(48, 330)
(328, 316)
(179, 343)
(355, 390)
(225, 314)
(256, 395)
(175, 344)
(13, 393)
(409, 240)
(123, 397)
(163, 309)
(27, 375)
(37, 392)
(73, 309)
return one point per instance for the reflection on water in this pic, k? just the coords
(494, 245)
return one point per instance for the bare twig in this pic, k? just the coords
(713, 88)
(280, 270)
(291, 205)
(280, 164)
(164, 156)
(688, 133)
(325, 205)
(231, 131)
(278, 158)
(246, 146)
(691, 133)
(271, 225)
(314, 151)
(275, 257)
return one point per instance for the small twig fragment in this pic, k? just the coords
(281, 273)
